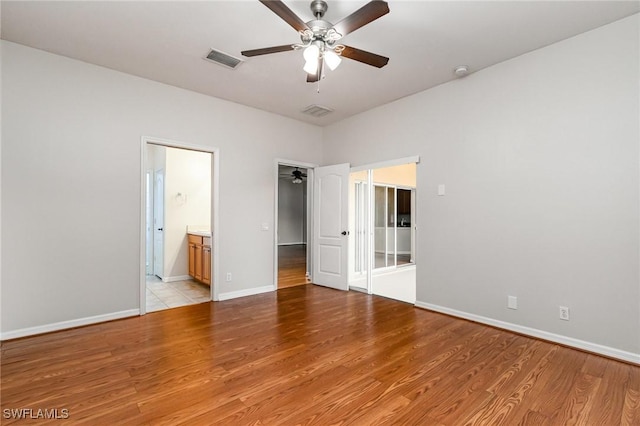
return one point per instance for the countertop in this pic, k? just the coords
(200, 233)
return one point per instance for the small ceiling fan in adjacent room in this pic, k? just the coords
(319, 38)
(296, 176)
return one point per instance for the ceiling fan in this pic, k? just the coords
(319, 37)
(297, 175)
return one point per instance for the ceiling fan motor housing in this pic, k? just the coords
(318, 8)
(319, 29)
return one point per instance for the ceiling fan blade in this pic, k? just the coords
(361, 17)
(267, 50)
(365, 57)
(286, 14)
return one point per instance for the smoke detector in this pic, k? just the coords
(461, 70)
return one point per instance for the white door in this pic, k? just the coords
(158, 224)
(331, 215)
(149, 223)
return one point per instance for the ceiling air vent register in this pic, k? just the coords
(223, 59)
(317, 110)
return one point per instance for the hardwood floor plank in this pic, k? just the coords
(551, 391)
(511, 376)
(533, 418)
(311, 355)
(498, 409)
(631, 410)
(578, 405)
(292, 265)
(612, 392)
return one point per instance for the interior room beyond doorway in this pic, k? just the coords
(292, 226)
(383, 225)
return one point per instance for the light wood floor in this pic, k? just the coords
(292, 265)
(312, 355)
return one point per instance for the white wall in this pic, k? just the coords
(71, 158)
(291, 212)
(540, 159)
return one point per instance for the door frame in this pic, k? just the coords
(309, 167)
(215, 205)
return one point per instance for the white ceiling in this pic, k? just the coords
(166, 41)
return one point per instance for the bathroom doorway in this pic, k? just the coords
(181, 206)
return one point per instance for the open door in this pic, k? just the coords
(330, 229)
(158, 225)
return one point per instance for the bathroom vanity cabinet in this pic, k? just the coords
(200, 258)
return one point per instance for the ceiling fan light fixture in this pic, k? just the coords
(332, 59)
(311, 54)
(297, 180)
(311, 67)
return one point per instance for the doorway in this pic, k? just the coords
(383, 221)
(292, 224)
(179, 197)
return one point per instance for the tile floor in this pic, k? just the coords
(161, 295)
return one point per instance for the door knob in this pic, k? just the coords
(345, 233)
(160, 229)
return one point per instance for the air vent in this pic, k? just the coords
(223, 59)
(317, 110)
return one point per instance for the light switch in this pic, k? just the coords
(441, 189)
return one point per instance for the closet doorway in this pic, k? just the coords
(293, 225)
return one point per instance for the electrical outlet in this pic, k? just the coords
(512, 302)
(228, 276)
(564, 313)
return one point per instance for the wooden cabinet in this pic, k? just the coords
(192, 258)
(200, 258)
(404, 201)
(206, 264)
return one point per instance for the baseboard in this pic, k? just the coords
(243, 293)
(292, 244)
(358, 289)
(63, 325)
(176, 278)
(540, 334)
